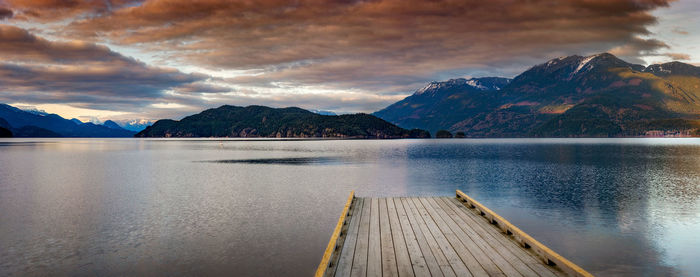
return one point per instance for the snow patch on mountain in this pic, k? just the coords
(429, 87)
(583, 63)
(658, 69)
(555, 61)
(485, 83)
(475, 83)
(33, 110)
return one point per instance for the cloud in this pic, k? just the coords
(36, 70)
(17, 44)
(680, 31)
(678, 56)
(373, 50)
(5, 13)
(203, 88)
(638, 47)
(417, 39)
(52, 10)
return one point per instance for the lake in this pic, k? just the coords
(89, 207)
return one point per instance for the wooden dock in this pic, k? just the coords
(434, 236)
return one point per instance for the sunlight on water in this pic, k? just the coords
(268, 207)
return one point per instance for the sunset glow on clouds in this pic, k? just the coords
(167, 58)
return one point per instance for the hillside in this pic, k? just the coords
(38, 124)
(260, 121)
(5, 133)
(575, 96)
(5, 129)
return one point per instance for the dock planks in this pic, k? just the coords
(434, 236)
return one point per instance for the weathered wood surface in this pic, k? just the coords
(435, 236)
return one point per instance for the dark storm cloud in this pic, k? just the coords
(128, 82)
(36, 70)
(5, 13)
(17, 44)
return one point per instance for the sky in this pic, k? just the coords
(146, 60)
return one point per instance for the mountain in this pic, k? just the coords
(5, 124)
(442, 104)
(34, 132)
(40, 124)
(575, 96)
(5, 129)
(5, 133)
(260, 121)
(113, 125)
(322, 112)
(135, 125)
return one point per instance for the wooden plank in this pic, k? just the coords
(470, 252)
(547, 255)
(389, 265)
(501, 242)
(403, 259)
(359, 262)
(374, 256)
(453, 259)
(423, 262)
(462, 262)
(430, 237)
(490, 260)
(422, 231)
(346, 255)
(332, 249)
(508, 248)
(506, 261)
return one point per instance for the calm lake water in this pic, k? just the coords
(267, 207)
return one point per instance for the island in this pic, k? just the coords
(267, 122)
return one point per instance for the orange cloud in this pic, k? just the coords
(678, 56)
(253, 34)
(380, 46)
(409, 39)
(51, 10)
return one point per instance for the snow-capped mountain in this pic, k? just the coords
(597, 95)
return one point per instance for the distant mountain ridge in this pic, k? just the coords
(261, 121)
(574, 96)
(441, 104)
(113, 125)
(485, 83)
(40, 124)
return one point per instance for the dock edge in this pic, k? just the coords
(336, 240)
(548, 256)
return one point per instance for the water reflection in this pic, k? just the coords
(266, 207)
(617, 200)
(286, 161)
